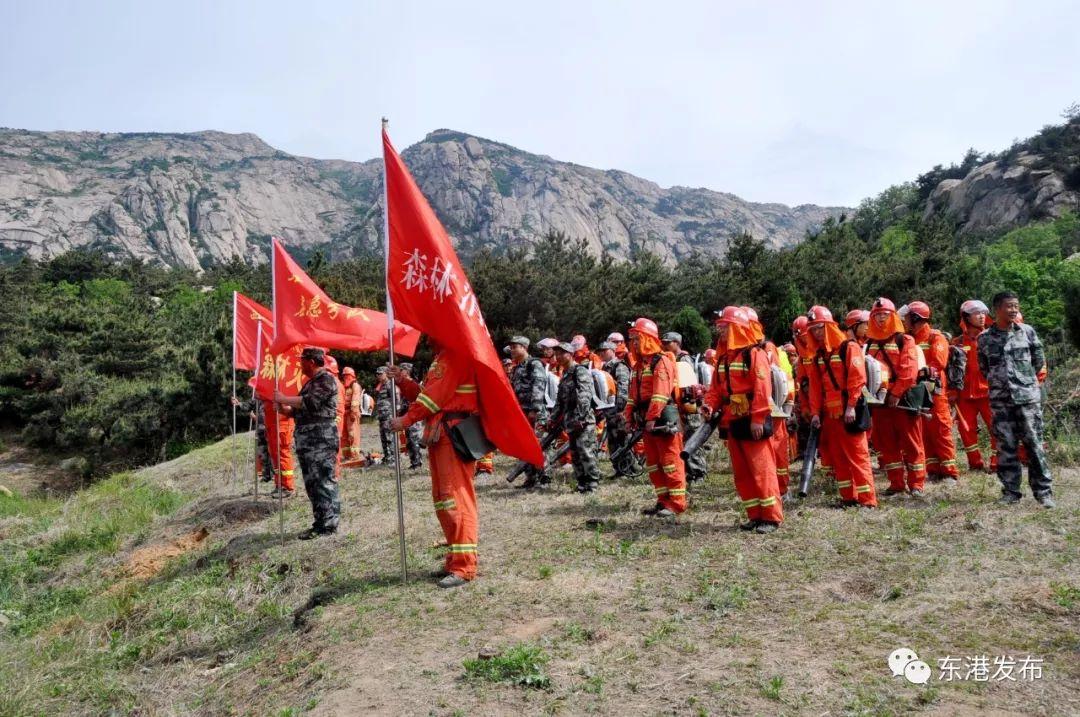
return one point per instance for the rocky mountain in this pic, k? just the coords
(190, 200)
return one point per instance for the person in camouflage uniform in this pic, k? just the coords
(254, 407)
(413, 434)
(528, 377)
(618, 433)
(317, 440)
(1010, 356)
(689, 408)
(574, 409)
(384, 412)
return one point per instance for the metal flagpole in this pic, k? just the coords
(280, 482)
(232, 453)
(258, 358)
(393, 382)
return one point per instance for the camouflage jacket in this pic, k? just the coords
(383, 406)
(620, 371)
(575, 402)
(1011, 359)
(319, 398)
(529, 379)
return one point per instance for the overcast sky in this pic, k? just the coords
(797, 102)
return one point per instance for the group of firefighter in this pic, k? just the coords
(885, 378)
(883, 381)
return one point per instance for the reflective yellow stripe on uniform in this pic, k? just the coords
(916, 467)
(894, 466)
(466, 388)
(863, 489)
(660, 490)
(448, 504)
(462, 547)
(650, 469)
(677, 491)
(843, 484)
(426, 401)
(752, 502)
(670, 468)
(766, 502)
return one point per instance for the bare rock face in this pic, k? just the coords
(1002, 194)
(192, 200)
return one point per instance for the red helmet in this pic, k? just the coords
(856, 317)
(348, 371)
(710, 354)
(750, 313)
(973, 306)
(330, 364)
(920, 309)
(645, 326)
(818, 315)
(733, 315)
(799, 325)
(882, 305)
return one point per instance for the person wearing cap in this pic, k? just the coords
(973, 400)
(689, 407)
(1011, 357)
(574, 412)
(800, 337)
(546, 348)
(618, 432)
(837, 380)
(621, 351)
(384, 411)
(938, 431)
(414, 436)
(529, 379)
(350, 428)
(741, 391)
(448, 395)
(651, 407)
(856, 324)
(317, 440)
(896, 427)
(583, 354)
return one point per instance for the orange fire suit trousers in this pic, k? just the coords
(898, 438)
(938, 440)
(780, 446)
(455, 505)
(753, 464)
(970, 409)
(285, 460)
(849, 456)
(350, 438)
(666, 470)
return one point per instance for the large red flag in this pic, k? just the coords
(430, 291)
(290, 378)
(304, 314)
(247, 315)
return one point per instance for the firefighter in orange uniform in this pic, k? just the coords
(741, 389)
(804, 347)
(350, 429)
(837, 379)
(779, 439)
(937, 432)
(279, 440)
(973, 400)
(652, 405)
(447, 397)
(897, 432)
(857, 324)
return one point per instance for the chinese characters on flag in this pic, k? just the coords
(289, 376)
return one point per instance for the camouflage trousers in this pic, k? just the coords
(696, 467)
(263, 447)
(413, 435)
(583, 456)
(534, 475)
(387, 438)
(316, 448)
(1016, 425)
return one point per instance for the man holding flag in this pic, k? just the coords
(426, 288)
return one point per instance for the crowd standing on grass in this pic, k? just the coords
(883, 382)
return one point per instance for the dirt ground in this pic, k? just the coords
(628, 615)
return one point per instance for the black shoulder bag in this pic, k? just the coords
(861, 424)
(739, 429)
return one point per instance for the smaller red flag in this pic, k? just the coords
(290, 378)
(304, 314)
(247, 315)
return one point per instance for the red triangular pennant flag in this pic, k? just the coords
(429, 290)
(304, 314)
(247, 315)
(290, 378)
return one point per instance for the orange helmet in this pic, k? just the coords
(856, 317)
(818, 315)
(750, 313)
(331, 364)
(348, 371)
(733, 315)
(882, 305)
(799, 325)
(973, 306)
(710, 354)
(920, 309)
(645, 326)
